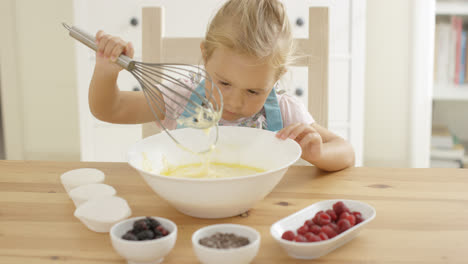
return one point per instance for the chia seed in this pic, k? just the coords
(224, 240)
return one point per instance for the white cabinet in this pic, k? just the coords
(109, 142)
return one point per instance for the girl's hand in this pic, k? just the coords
(308, 138)
(109, 49)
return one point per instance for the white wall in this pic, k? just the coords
(46, 69)
(387, 83)
(45, 79)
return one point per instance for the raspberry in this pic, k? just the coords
(309, 223)
(315, 229)
(350, 217)
(343, 225)
(315, 218)
(323, 236)
(312, 237)
(343, 215)
(358, 217)
(288, 235)
(300, 238)
(323, 219)
(329, 231)
(340, 207)
(334, 226)
(303, 229)
(356, 213)
(332, 214)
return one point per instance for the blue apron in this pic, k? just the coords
(274, 119)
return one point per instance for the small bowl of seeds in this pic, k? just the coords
(144, 239)
(226, 243)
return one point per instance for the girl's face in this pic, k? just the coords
(244, 81)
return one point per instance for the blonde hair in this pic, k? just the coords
(259, 28)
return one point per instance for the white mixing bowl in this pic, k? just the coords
(219, 197)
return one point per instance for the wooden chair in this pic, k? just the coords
(157, 48)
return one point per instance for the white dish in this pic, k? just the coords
(244, 254)
(86, 192)
(147, 251)
(100, 214)
(312, 250)
(74, 178)
(218, 197)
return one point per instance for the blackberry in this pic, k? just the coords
(130, 236)
(145, 235)
(153, 223)
(140, 225)
(157, 233)
(163, 231)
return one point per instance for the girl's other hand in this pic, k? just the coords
(109, 49)
(308, 138)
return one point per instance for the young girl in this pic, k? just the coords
(247, 48)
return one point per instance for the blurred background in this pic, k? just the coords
(397, 87)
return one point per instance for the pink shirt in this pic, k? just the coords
(292, 110)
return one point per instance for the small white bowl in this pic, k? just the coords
(86, 192)
(100, 214)
(244, 254)
(312, 250)
(74, 178)
(147, 251)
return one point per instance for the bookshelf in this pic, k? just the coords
(450, 100)
(450, 91)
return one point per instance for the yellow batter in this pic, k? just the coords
(210, 170)
(203, 118)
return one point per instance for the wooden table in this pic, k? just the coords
(422, 214)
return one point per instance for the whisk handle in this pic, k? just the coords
(90, 41)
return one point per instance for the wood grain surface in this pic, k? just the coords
(422, 214)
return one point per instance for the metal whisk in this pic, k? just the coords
(202, 113)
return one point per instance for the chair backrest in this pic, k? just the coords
(313, 52)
